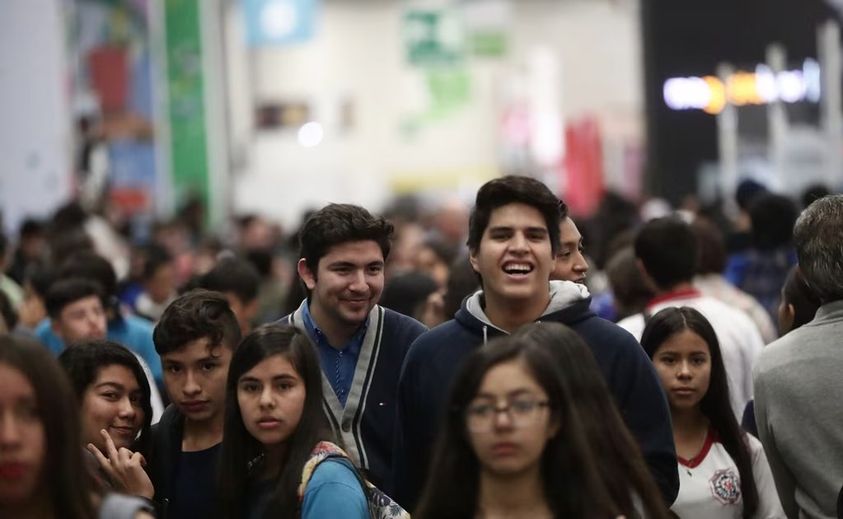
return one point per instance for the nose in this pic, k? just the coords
(580, 264)
(358, 280)
(518, 242)
(266, 399)
(9, 431)
(191, 387)
(503, 418)
(684, 370)
(127, 410)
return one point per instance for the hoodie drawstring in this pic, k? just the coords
(485, 334)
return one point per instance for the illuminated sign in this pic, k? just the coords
(711, 94)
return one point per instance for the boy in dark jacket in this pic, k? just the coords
(195, 337)
(361, 345)
(512, 249)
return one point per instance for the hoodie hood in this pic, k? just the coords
(569, 304)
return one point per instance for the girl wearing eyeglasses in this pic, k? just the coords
(723, 472)
(512, 444)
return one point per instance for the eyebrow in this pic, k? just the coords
(115, 385)
(514, 392)
(353, 265)
(276, 378)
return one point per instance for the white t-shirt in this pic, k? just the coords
(710, 485)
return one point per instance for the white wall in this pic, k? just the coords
(35, 132)
(358, 52)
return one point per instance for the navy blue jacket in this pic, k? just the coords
(435, 357)
(366, 422)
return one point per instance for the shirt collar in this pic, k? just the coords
(352, 346)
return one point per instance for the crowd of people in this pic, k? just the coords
(444, 363)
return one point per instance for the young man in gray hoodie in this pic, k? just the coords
(513, 240)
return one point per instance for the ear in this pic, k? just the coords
(553, 428)
(472, 258)
(306, 274)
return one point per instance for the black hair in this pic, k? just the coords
(233, 275)
(570, 480)
(668, 249)
(83, 361)
(805, 301)
(619, 461)
(773, 217)
(66, 291)
(462, 282)
(335, 224)
(156, 257)
(712, 247)
(813, 193)
(405, 293)
(514, 189)
(7, 312)
(715, 405)
(240, 449)
(197, 314)
(68, 490)
(631, 292)
(90, 265)
(30, 227)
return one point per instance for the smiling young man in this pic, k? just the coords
(571, 264)
(513, 251)
(361, 345)
(195, 338)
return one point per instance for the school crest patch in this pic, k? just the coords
(725, 486)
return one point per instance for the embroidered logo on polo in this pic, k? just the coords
(725, 486)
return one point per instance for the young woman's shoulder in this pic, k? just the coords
(334, 490)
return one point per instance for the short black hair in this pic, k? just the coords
(198, 314)
(335, 224)
(233, 275)
(773, 217)
(156, 257)
(668, 249)
(90, 265)
(514, 189)
(712, 247)
(66, 291)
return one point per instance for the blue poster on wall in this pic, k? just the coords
(279, 22)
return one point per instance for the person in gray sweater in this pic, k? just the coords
(797, 379)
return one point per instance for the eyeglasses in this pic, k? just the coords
(521, 412)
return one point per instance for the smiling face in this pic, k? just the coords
(81, 320)
(112, 402)
(570, 262)
(347, 284)
(512, 441)
(271, 396)
(514, 256)
(683, 363)
(22, 439)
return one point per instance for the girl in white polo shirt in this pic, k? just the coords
(723, 472)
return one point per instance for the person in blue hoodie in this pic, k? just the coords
(512, 250)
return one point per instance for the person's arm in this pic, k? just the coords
(407, 467)
(769, 505)
(644, 407)
(334, 491)
(785, 482)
